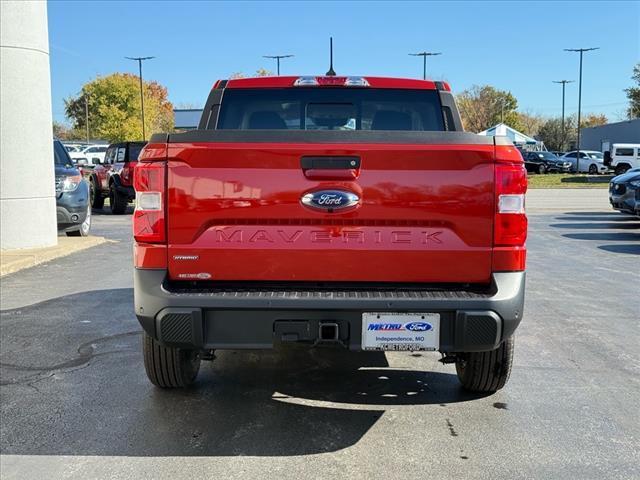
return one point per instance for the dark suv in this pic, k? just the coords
(624, 192)
(113, 177)
(72, 195)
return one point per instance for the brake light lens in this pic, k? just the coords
(149, 214)
(510, 228)
(331, 82)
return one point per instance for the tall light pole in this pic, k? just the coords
(424, 56)
(277, 58)
(140, 60)
(564, 83)
(581, 50)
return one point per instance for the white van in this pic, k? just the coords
(624, 156)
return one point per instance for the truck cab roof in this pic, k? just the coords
(332, 81)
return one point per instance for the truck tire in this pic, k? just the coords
(97, 200)
(169, 367)
(486, 371)
(117, 201)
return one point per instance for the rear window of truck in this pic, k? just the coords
(134, 151)
(330, 109)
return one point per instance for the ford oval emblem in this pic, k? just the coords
(418, 326)
(330, 200)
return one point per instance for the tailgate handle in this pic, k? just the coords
(330, 167)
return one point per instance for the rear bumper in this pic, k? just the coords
(259, 319)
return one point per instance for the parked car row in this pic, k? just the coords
(81, 185)
(545, 162)
(624, 192)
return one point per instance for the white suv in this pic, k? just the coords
(90, 152)
(624, 156)
(590, 161)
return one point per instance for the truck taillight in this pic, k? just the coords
(149, 215)
(510, 228)
(510, 223)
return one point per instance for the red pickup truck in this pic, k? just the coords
(347, 211)
(113, 177)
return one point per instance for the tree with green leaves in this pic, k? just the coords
(633, 94)
(115, 110)
(483, 106)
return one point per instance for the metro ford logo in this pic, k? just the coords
(418, 326)
(398, 327)
(330, 200)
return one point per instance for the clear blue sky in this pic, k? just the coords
(515, 46)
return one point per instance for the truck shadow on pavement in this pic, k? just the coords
(617, 228)
(74, 384)
(633, 249)
(598, 225)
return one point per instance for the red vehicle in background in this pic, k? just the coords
(350, 211)
(113, 177)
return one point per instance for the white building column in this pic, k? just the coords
(27, 192)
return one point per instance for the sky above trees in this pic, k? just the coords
(513, 46)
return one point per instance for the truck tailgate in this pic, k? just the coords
(425, 213)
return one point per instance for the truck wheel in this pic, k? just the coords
(117, 201)
(486, 371)
(97, 200)
(169, 367)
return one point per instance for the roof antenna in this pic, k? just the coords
(331, 72)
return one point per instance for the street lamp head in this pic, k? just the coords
(581, 49)
(563, 81)
(137, 59)
(277, 56)
(425, 54)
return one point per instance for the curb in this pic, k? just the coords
(12, 261)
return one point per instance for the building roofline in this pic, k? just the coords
(611, 124)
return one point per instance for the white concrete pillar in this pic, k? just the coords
(27, 191)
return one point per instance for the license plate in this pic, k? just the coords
(400, 331)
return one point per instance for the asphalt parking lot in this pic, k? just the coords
(75, 401)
